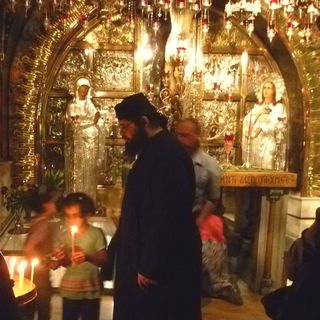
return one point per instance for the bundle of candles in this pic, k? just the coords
(19, 276)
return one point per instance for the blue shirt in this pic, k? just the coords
(208, 172)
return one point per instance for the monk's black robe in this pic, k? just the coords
(158, 237)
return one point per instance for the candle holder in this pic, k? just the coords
(216, 89)
(196, 76)
(150, 91)
(228, 148)
(181, 55)
(179, 70)
(247, 164)
(279, 157)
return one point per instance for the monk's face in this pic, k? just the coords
(134, 136)
(127, 129)
(186, 133)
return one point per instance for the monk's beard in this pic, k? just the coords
(137, 143)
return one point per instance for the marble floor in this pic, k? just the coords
(212, 309)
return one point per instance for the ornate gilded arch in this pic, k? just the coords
(41, 64)
(33, 74)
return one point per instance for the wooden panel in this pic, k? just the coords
(265, 179)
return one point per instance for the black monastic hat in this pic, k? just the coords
(137, 105)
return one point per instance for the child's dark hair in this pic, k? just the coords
(81, 199)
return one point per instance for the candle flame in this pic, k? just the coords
(13, 261)
(22, 265)
(34, 262)
(12, 264)
(74, 229)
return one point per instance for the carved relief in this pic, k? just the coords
(221, 73)
(56, 109)
(114, 33)
(113, 70)
(216, 117)
(258, 70)
(113, 165)
(75, 63)
(219, 36)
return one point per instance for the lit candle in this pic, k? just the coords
(12, 264)
(244, 61)
(74, 230)
(34, 263)
(21, 268)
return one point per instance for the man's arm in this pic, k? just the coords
(212, 190)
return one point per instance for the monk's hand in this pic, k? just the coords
(144, 282)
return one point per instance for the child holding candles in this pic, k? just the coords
(82, 249)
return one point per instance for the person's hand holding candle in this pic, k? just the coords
(78, 256)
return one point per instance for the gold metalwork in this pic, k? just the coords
(220, 37)
(114, 163)
(259, 70)
(56, 109)
(75, 63)
(217, 117)
(221, 73)
(307, 56)
(113, 70)
(24, 157)
(25, 108)
(119, 33)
